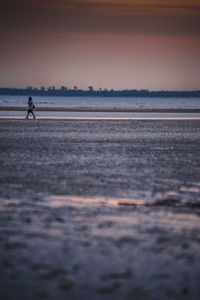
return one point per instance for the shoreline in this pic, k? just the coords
(87, 118)
(115, 110)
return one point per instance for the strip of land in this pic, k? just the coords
(86, 109)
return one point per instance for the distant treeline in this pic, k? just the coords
(67, 92)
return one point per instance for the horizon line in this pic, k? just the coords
(92, 89)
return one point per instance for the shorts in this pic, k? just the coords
(30, 110)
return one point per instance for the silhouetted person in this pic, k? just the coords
(31, 106)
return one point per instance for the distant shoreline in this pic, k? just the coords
(76, 92)
(116, 110)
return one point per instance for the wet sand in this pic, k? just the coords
(98, 109)
(106, 209)
(81, 113)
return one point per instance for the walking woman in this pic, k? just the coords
(31, 106)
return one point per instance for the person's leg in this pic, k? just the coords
(27, 115)
(33, 114)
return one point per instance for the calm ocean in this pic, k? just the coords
(103, 102)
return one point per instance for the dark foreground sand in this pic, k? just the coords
(67, 229)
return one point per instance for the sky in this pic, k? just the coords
(121, 44)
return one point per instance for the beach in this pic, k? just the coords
(100, 209)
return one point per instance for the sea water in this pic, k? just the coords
(111, 103)
(102, 102)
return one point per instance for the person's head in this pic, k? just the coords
(29, 98)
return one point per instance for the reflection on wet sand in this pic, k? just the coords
(190, 189)
(62, 200)
(8, 204)
(168, 199)
(103, 250)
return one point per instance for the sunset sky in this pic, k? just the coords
(153, 44)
